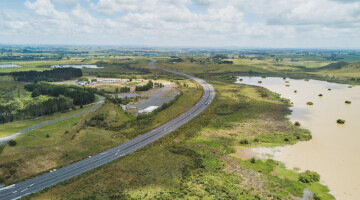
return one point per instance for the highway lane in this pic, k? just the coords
(49, 179)
(5, 139)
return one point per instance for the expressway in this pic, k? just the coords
(97, 105)
(49, 179)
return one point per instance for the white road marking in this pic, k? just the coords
(24, 190)
(8, 187)
(117, 152)
(31, 184)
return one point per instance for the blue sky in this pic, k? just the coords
(186, 23)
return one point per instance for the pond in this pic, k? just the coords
(334, 150)
(8, 66)
(77, 66)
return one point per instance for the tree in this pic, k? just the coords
(35, 93)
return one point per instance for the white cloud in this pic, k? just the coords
(188, 22)
(67, 3)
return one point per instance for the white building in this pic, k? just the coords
(82, 83)
(148, 110)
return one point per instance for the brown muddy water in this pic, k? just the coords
(334, 150)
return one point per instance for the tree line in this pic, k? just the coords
(48, 107)
(80, 95)
(146, 87)
(122, 89)
(57, 74)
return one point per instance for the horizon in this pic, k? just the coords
(235, 48)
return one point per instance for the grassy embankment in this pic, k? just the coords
(64, 142)
(197, 161)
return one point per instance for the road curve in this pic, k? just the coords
(5, 139)
(49, 179)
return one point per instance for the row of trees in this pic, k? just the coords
(122, 89)
(48, 107)
(116, 100)
(80, 95)
(146, 87)
(47, 75)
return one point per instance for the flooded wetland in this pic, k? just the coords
(334, 149)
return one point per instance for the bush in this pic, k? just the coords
(348, 102)
(316, 197)
(47, 135)
(12, 143)
(340, 121)
(309, 103)
(329, 89)
(295, 91)
(244, 141)
(320, 95)
(286, 139)
(35, 93)
(252, 160)
(297, 124)
(309, 177)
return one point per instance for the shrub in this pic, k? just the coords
(35, 93)
(12, 142)
(309, 103)
(297, 124)
(329, 89)
(348, 102)
(47, 135)
(320, 95)
(252, 160)
(256, 140)
(295, 91)
(287, 85)
(259, 81)
(244, 141)
(316, 197)
(340, 121)
(286, 139)
(309, 177)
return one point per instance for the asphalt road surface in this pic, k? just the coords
(5, 139)
(41, 182)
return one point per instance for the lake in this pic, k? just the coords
(77, 66)
(334, 150)
(8, 66)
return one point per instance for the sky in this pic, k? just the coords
(183, 23)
